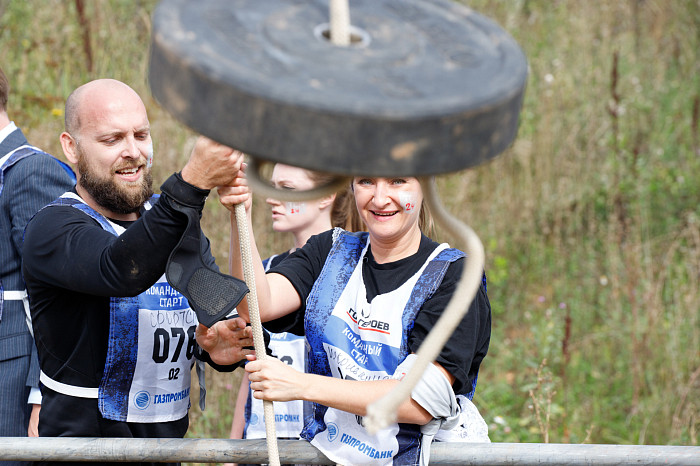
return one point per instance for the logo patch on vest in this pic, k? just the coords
(364, 323)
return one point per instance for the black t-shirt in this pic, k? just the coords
(285, 323)
(274, 260)
(466, 347)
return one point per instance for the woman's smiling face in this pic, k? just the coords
(389, 207)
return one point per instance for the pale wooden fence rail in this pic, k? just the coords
(296, 451)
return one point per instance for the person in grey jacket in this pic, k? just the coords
(29, 179)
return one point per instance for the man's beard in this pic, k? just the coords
(109, 194)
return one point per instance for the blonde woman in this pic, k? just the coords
(367, 301)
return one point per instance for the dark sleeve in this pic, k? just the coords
(34, 182)
(68, 249)
(468, 344)
(301, 268)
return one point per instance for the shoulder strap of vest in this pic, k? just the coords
(16, 155)
(427, 284)
(24, 151)
(448, 254)
(339, 266)
(152, 200)
(354, 238)
(430, 280)
(267, 263)
(11, 158)
(71, 199)
(347, 247)
(432, 276)
(343, 257)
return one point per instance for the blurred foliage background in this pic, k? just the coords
(590, 220)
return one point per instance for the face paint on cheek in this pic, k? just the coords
(149, 161)
(294, 208)
(408, 201)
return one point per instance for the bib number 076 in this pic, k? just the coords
(161, 345)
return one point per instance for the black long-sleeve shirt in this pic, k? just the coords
(72, 267)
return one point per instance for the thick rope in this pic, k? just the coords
(382, 412)
(254, 313)
(340, 22)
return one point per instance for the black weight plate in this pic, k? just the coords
(430, 86)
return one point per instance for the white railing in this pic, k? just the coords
(299, 451)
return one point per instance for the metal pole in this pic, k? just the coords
(155, 450)
(299, 451)
(538, 454)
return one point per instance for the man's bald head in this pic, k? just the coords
(108, 138)
(92, 99)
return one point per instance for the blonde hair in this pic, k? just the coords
(343, 213)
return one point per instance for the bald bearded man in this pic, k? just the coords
(116, 342)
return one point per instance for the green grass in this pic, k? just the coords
(591, 220)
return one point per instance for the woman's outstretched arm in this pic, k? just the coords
(276, 295)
